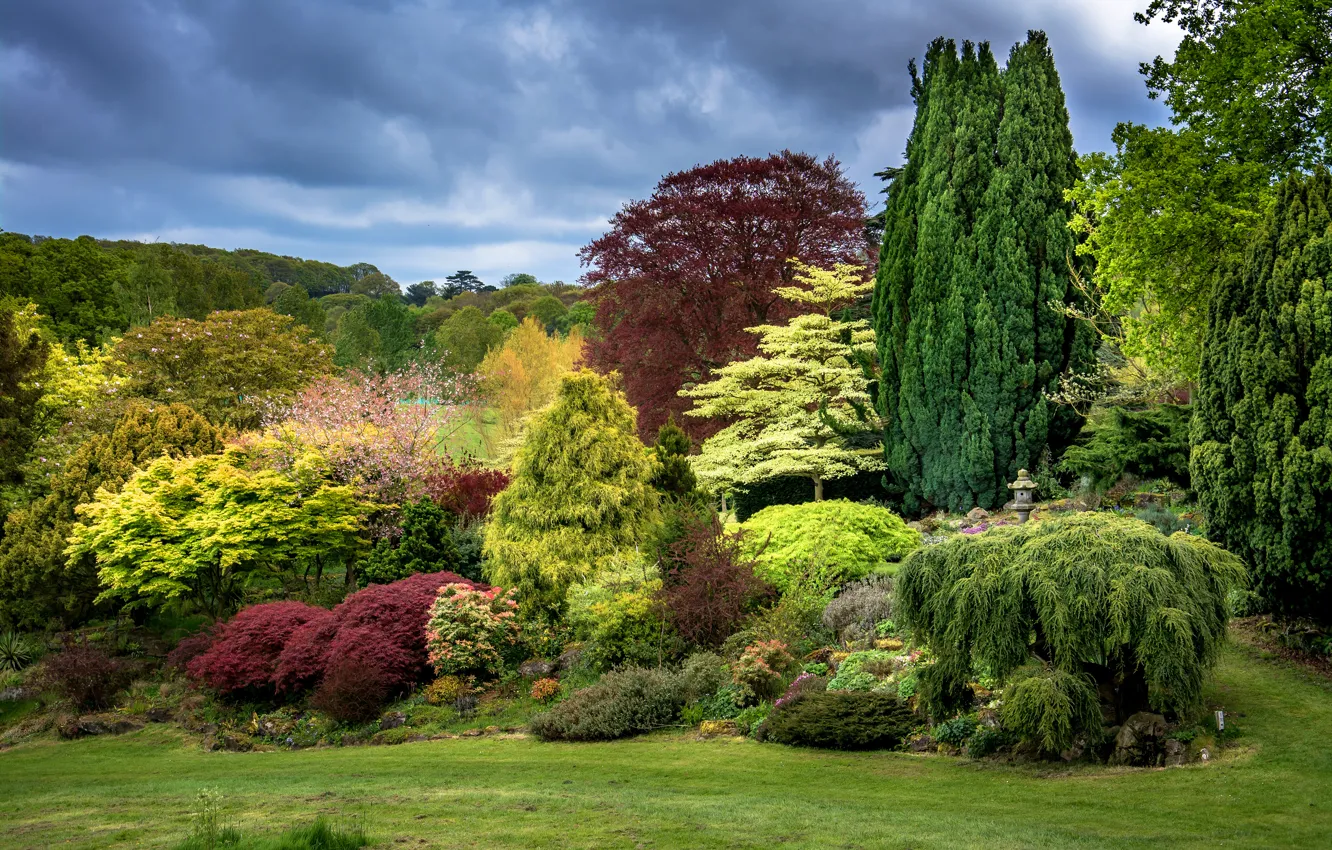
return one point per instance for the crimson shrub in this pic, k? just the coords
(244, 651)
(383, 625)
(711, 585)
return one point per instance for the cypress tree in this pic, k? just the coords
(1262, 429)
(972, 270)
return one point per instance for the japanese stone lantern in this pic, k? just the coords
(1023, 488)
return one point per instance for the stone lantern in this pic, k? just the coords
(1022, 489)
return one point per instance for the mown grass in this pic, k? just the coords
(1269, 790)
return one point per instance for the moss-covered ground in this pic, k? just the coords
(1269, 789)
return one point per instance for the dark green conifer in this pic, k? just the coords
(1262, 429)
(973, 267)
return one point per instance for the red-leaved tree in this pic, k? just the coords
(681, 275)
(465, 489)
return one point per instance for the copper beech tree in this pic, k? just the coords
(679, 276)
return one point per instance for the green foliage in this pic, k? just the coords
(802, 407)
(296, 302)
(1051, 706)
(955, 732)
(425, 546)
(704, 673)
(503, 319)
(618, 618)
(203, 529)
(231, 367)
(467, 336)
(16, 651)
(38, 582)
(548, 310)
(973, 278)
(73, 281)
(862, 671)
(674, 475)
(581, 314)
(839, 540)
(1262, 433)
(839, 721)
(624, 703)
(580, 495)
(758, 671)
(1090, 594)
(357, 344)
(22, 362)
(1148, 444)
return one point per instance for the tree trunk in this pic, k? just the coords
(818, 489)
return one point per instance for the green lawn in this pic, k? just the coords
(673, 791)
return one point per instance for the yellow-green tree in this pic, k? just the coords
(581, 494)
(524, 373)
(801, 408)
(202, 530)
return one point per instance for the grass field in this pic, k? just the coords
(1270, 790)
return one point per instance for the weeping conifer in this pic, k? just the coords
(1262, 430)
(973, 269)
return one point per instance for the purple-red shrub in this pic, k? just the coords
(189, 649)
(382, 625)
(85, 675)
(710, 585)
(244, 651)
(465, 490)
(353, 691)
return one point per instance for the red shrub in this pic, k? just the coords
(382, 625)
(353, 691)
(244, 651)
(85, 675)
(466, 489)
(189, 649)
(711, 585)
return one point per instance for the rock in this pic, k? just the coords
(1145, 500)
(888, 644)
(89, 726)
(917, 525)
(231, 742)
(988, 718)
(1205, 754)
(535, 669)
(975, 515)
(492, 730)
(1176, 753)
(392, 720)
(718, 729)
(158, 715)
(11, 694)
(472, 733)
(1140, 741)
(921, 744)
(568, 658)
(1077, 751)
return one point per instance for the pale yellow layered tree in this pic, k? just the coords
(802, 407)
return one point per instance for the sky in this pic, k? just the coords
(426, 136)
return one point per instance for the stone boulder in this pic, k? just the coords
(718, 729)
(392, 720)
(1141, 741)
(975, 515)
(89, 726)
(568, 659)
(536, 668)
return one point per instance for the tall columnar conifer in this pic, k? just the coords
(973, 270)
(1262, 430)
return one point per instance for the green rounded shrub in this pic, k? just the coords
(621, 704)
(836, 540)
(839, 721)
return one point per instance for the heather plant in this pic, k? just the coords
(858, 608)
(862, 671)
(545, 690)
(623, 703)
(704, 674)
(469, 630)
(1109, 602)
(758, 672)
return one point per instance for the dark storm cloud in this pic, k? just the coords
(426, 135)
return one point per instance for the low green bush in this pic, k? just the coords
(841, 540)
(955, 732)
(1151, 443)
(704, 673)
(623, 703)
(862, 671)
(839, 721)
